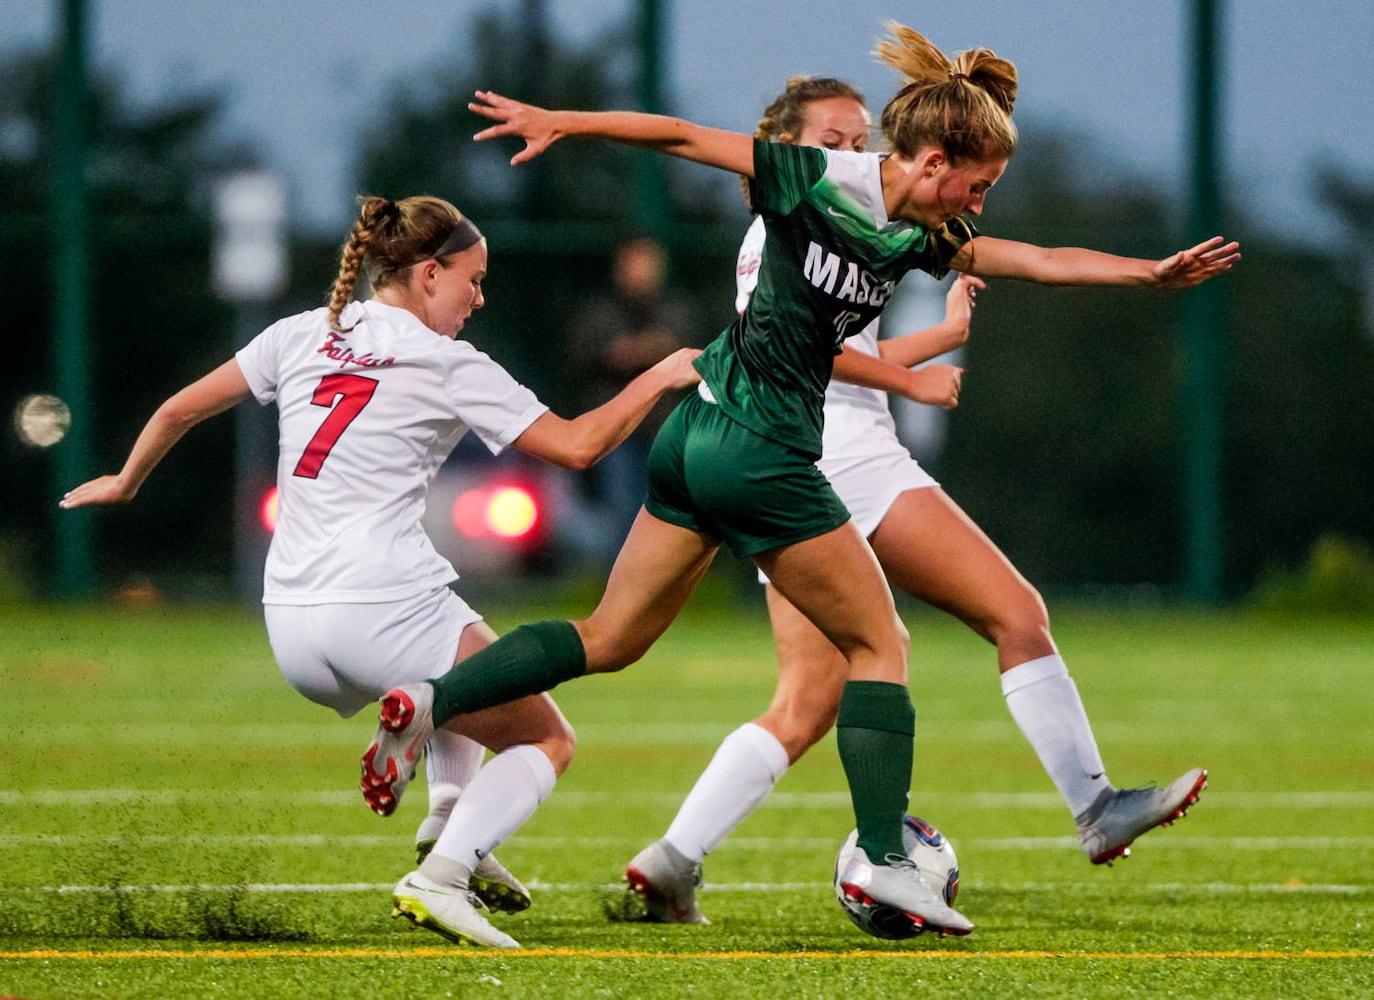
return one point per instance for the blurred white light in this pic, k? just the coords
(511, 512)
(41, 420)
(248, 261)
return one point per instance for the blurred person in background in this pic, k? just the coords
(614, 338)
(372, 396)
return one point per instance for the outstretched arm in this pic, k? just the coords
(583, 441)
(541, 128)
(993, 258)
(216, 392)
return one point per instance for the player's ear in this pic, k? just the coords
(787, 137)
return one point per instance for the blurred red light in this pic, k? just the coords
(506, 512)
(267, 510)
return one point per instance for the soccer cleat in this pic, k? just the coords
(405, 724)
(447, 911)
(427, 835)
(1124, 814)
(490, 882)
(898, 883)
(666, 880)
(497, 888)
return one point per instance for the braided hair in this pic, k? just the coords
(387, 239)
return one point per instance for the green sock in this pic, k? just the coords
(875, 731)
(528, 660)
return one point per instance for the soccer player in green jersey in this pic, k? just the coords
(735, 464)
(928, 547)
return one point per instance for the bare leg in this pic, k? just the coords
(932, 550)
(658, 567)
(834, 580)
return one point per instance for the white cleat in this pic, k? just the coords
(405, 724)
(447, 911)
(898, 883)
(490, 881)
(1124, 814)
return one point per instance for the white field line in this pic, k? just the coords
(322, 841)
(325, 888)
(1332, 799)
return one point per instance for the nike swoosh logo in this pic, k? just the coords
(832, 210)
(412, 754)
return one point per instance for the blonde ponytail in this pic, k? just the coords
(962, 106)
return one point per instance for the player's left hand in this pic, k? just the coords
(106, 489)
(1194, 266)
(535, 125)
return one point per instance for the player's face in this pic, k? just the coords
(833, 122)
(951, 190)
(458, 292)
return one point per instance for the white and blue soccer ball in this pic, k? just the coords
(934, 856)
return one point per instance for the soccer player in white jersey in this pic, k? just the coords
(372, 397)
(735, 462)
(927, 546)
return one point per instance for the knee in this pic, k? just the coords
(1024, 619)
(560, 747)
(607, 649)
(799, 722)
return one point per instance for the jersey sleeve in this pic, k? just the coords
(496, 407)
(260, 362)
(944, 245)
(783, 174)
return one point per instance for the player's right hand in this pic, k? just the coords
(677, 368)
(106, 489)
(936, 385)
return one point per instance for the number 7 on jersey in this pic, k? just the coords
(346, 395)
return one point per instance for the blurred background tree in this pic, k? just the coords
(156, 322)
(1065, 447)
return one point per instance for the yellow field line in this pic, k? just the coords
(225, 953)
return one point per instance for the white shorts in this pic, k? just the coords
(346, 656)
(870, 485)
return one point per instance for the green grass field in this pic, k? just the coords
(178, 822)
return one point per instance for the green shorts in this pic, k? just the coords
(711, 474)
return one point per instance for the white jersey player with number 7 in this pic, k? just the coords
(372, 397)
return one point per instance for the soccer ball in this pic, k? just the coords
(933, 854)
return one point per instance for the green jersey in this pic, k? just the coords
(831, 261)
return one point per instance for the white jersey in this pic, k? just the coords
(365, 421)
(859, 428)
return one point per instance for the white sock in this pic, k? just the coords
(1043, 700)
(504, 794)
(451, 762)
(741, 774)
(452, 759)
